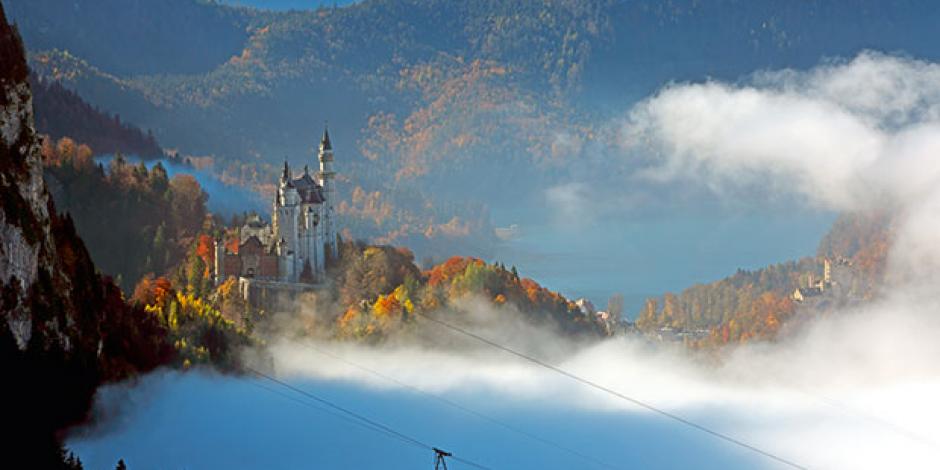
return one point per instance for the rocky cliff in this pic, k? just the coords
(64, 329)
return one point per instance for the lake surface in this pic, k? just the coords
(651, 255)
(224, 199)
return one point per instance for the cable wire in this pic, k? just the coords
(371, 424)
(595, 385)
(463, 408)
(321, 409)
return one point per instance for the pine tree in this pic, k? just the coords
(159, 241)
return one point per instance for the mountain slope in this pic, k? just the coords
(758, 305)
(290, 71)
(63, 329)
(62, 113)
(182, 36)
(502, 99)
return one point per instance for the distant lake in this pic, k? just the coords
(224, 199)
(651, 255)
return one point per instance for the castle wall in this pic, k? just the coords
(273, 295)
(232, 265)
(269, 266)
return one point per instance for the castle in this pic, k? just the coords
(815, 287)
(293, 251)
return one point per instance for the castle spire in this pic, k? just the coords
(286, 175)
(326, 177)
(325, 141)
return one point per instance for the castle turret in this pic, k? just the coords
(285, 175)
(327, 176)
(219, 263)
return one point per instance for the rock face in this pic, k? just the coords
(24, 215)
(63, 329)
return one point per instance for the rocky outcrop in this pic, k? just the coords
(64, 329)
(25, 238)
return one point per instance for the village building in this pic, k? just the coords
(815, 288)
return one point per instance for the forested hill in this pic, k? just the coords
(121, 36)
(757, 305)
(60, 113)
(429, 97)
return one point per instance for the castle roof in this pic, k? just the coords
(251, 241)
(255, 222)
(325, 141)
(308, 189)
(305, 181)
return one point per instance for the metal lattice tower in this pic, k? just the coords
(439, 462)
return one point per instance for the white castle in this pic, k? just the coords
(296, 246)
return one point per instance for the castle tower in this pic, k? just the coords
(327, 176)
(219, 264)
(827, 272)
(285, 224)
(311, 220)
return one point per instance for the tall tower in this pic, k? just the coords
(285, 224)
(219, 261)
(326, 177)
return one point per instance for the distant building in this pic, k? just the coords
(815, 288)
(295, 248)
(586, 306)
(803, 293)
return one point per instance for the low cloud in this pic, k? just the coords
(855, 135)
(839, 396)
(847, 136)
(844, 136)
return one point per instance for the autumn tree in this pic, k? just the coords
(66, 149)
(134, 220)
(188, 201)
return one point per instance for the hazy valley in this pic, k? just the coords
(595, 228)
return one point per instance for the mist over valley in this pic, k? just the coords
(417, 233)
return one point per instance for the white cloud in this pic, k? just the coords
(825, 401)
(845, 136)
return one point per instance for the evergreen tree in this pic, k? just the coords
(159, 247)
